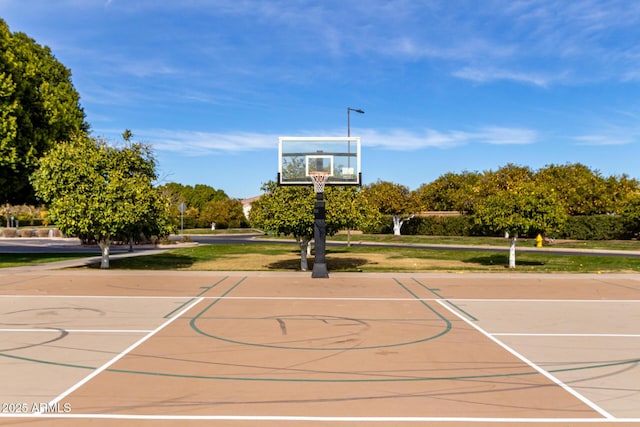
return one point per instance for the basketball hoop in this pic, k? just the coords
(319, 178)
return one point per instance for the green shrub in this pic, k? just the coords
(587, 227)
(385, 226)
(596, 227)
(438, 226)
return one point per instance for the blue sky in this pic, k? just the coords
(446, 85)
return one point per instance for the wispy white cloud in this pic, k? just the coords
(192, 143)
(487, 75)
(403, 140)
(507, 136)
(615, 126)
(541, 42)
(407, 140)
(603, 140)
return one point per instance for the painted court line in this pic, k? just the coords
(91, 331)
(599, 301)
(97, 296)
(308, 419)
(122, 354)
(259, 298)
(517, 334)
(565, 387)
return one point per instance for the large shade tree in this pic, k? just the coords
(581, 190)
(450, 192)
(101, 192)
(225, 213)
(520, 211)
(289, 210)
(39, 107)
(204, 205)
(392, 199)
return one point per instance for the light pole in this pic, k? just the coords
(349, 110)
(359, 111)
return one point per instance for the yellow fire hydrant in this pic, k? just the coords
(539, 241)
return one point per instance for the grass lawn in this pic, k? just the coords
(269, 256)
(16, 260)
(285, 257)
(633, 245)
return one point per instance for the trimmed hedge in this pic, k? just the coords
(429, 226)
(440, 226)
(592, 227)
(598, 227)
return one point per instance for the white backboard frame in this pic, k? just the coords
(295, 153)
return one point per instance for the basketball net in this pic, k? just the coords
(319, 178)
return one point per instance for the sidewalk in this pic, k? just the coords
(27, 245)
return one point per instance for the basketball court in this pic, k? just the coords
(167, 349)
(271, 349)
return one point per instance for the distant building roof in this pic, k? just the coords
(246, 204)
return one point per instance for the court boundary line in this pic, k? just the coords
(81, 331)
(548, 375)
(543, 300)
(269, 298)
(187, 297)
(99, 296)
(317, 418)
(521, 334)
(325, 419)
(122, 354)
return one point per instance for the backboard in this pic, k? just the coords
(300, 155)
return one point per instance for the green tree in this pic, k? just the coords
(98, 191)
(392, 199)
(620, 191)
(508, 177)
(225, 213)
(450, 192)
(196, 199)
(520, 211)
(580, 190)
(201, 194)
(39, 107)
(350, 204)
(289, 210)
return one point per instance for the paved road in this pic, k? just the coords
(56, 245)
(53, 245)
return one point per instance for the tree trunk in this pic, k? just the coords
(104, 248)
(397, 225)
(304, 246)
(512, 252)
